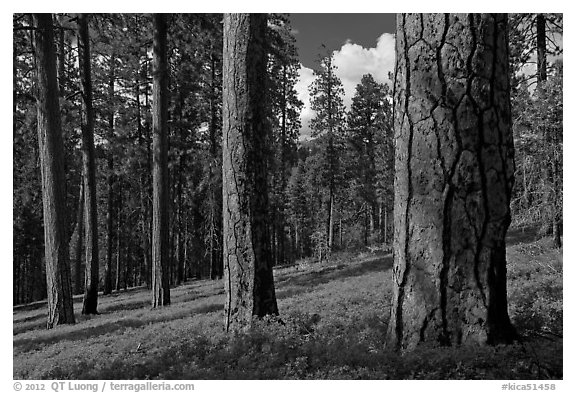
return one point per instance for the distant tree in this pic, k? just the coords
(248, 276)
(534, 38)
(160, 226)
(454, 177)
(60, 307)
(326, 100)
(368, 132)
(283, 66)
(92, 278)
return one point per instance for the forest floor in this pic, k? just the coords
(335, 316)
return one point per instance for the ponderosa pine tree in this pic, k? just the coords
(283, 66)
(160, 224)
(248, 277)
(326, 99)
(60, 307)
(454, 175)
(368, 133)
(92, 277)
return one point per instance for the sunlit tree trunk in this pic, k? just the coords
(248, 277)
(90, 304)
(51, 146)
(160, 227)
(453, 181)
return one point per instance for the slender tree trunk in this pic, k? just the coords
(90, 304)
(453, 184)
(61, 58)
(331, 219)
(541, 74)
(119, 238)
(51, 146)
(216, 260)
(249, 281)
(160, 226)
(110, 181)
(79, 241)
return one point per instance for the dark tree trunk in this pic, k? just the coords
(160, 227)
(110, 181)
(79, 241)
(119, 238)
(216, 260)
(541, 74)
(90, 303)
(453, 182)
(248, 276)
(51, 148)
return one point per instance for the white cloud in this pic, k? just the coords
(305, 78)
(353, 61)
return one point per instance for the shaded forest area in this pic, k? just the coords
(158, 160)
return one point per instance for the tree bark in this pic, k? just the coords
(119, 238)
(453, 181)
(110, 181)
(160, 197)
(541, 74)
(249, 282)
(90, 303)
(80, 221)
(51, 148)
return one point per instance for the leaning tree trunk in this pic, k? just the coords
(453, 182)
(90, 304)
(160, 198)
(248, 277)
(51, 148)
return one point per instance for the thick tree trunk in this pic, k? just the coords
(90, 303)
(51, 146)
(248, 277)
(453, 182)
(160, 197)
(110, 181)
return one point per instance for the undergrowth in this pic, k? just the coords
(334, 318)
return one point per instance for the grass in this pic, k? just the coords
(335, 316)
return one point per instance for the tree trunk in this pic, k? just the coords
(51, 148)
(216, 262)
(90, 303)
(453, 182)
(249, 281)
(110, 181)
(541, 74)
(119, 238)
(80, 221)
(160, 197)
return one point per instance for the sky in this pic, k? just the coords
(361, 43)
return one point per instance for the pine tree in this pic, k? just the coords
(454, 177)
(60, 307)
(248, 277)
(160, 226)
(92, 277)
(326, 94)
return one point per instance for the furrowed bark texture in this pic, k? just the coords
(160, 197)
(92, 277)
(454, 176)
(248, 274)
(58, 280)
